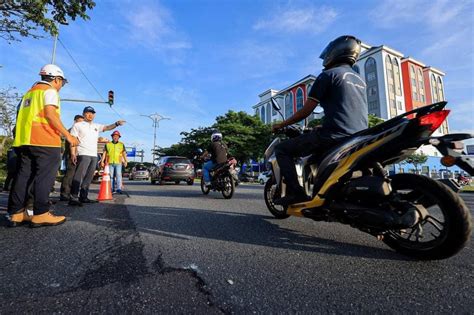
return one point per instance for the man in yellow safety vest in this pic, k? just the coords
(38, 145)
(115, 155)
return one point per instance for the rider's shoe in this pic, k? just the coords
(292, 198)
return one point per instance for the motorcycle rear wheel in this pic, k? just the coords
(229, 187)
(444, 232)
(269, 191)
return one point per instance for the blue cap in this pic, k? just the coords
(88, 109)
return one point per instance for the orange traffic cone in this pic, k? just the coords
(105, 191)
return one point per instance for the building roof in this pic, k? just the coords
(373, 50)
(280, 92)
(437, 71)
(410, 59)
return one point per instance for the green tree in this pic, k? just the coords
(24, 17)
(247, 136)
(416, 159)
(315, 122)
(374, 120)
(8, 104)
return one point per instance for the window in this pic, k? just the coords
(434, 89)
(274, 112)
(440, 89)
(413, 83)
(308, 88)
(370, 70)
(373, 106)
(262, 114)
(356, 68)
(372, 91)
(396, 74)
(288, 105)
(421, 87)
(399, 105)
(299, 99)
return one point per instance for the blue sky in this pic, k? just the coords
(194, 60)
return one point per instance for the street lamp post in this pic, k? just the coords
(156, 119)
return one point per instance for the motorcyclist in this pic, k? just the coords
(342, 94)
(218, 151)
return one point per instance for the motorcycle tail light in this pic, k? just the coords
(433, 120)
(448, 160)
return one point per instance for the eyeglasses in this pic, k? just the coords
(63, 81)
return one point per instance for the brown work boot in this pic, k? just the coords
(19, 218)
(46, 219)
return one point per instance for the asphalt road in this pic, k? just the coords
(170, 249)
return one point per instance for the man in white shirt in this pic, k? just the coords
(85, 155)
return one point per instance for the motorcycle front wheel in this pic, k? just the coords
(270, 193)
(443, 232)
(229, 187)
(205, 189)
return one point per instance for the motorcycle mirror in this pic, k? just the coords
(275, 105)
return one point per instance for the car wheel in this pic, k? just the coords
(190, 182)
(176, 182)
(261, 181)
(153, 182)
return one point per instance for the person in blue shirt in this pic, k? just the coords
(341, 92)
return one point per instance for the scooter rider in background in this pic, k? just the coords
(342, 94)
(218, 151)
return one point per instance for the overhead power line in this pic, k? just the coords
(93, 86)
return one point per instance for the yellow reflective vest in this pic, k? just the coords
(32, 128)
(114, 152)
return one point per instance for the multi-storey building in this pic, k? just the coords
(395, 85)
(290, 100)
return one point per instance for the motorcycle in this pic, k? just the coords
(413, 214)
(463, 181)
(222, 179)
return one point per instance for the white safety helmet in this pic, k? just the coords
(52, 71)
(216, 136)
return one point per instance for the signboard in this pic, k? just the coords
(470, 149)
(131, 152)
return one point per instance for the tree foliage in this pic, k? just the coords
(416, 159)
(374, 120)
(8, 106)
(245, 135)
(24, 17)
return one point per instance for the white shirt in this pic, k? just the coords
(88, 134)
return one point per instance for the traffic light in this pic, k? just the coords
(111, 98)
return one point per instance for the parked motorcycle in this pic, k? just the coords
(413, 214)
(463, 181)
(222, 179)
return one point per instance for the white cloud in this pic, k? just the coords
(152, 25)
(462, 115)
(311, 20)
(435, 14)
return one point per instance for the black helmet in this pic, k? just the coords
(344, 49)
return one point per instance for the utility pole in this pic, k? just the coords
(156, 120)
(53, 57)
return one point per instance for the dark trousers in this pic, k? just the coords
(86, 166)
(67, 179)
(38, 167)
(303, 145)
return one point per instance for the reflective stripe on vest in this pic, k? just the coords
(114, 152)
(32, 128)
